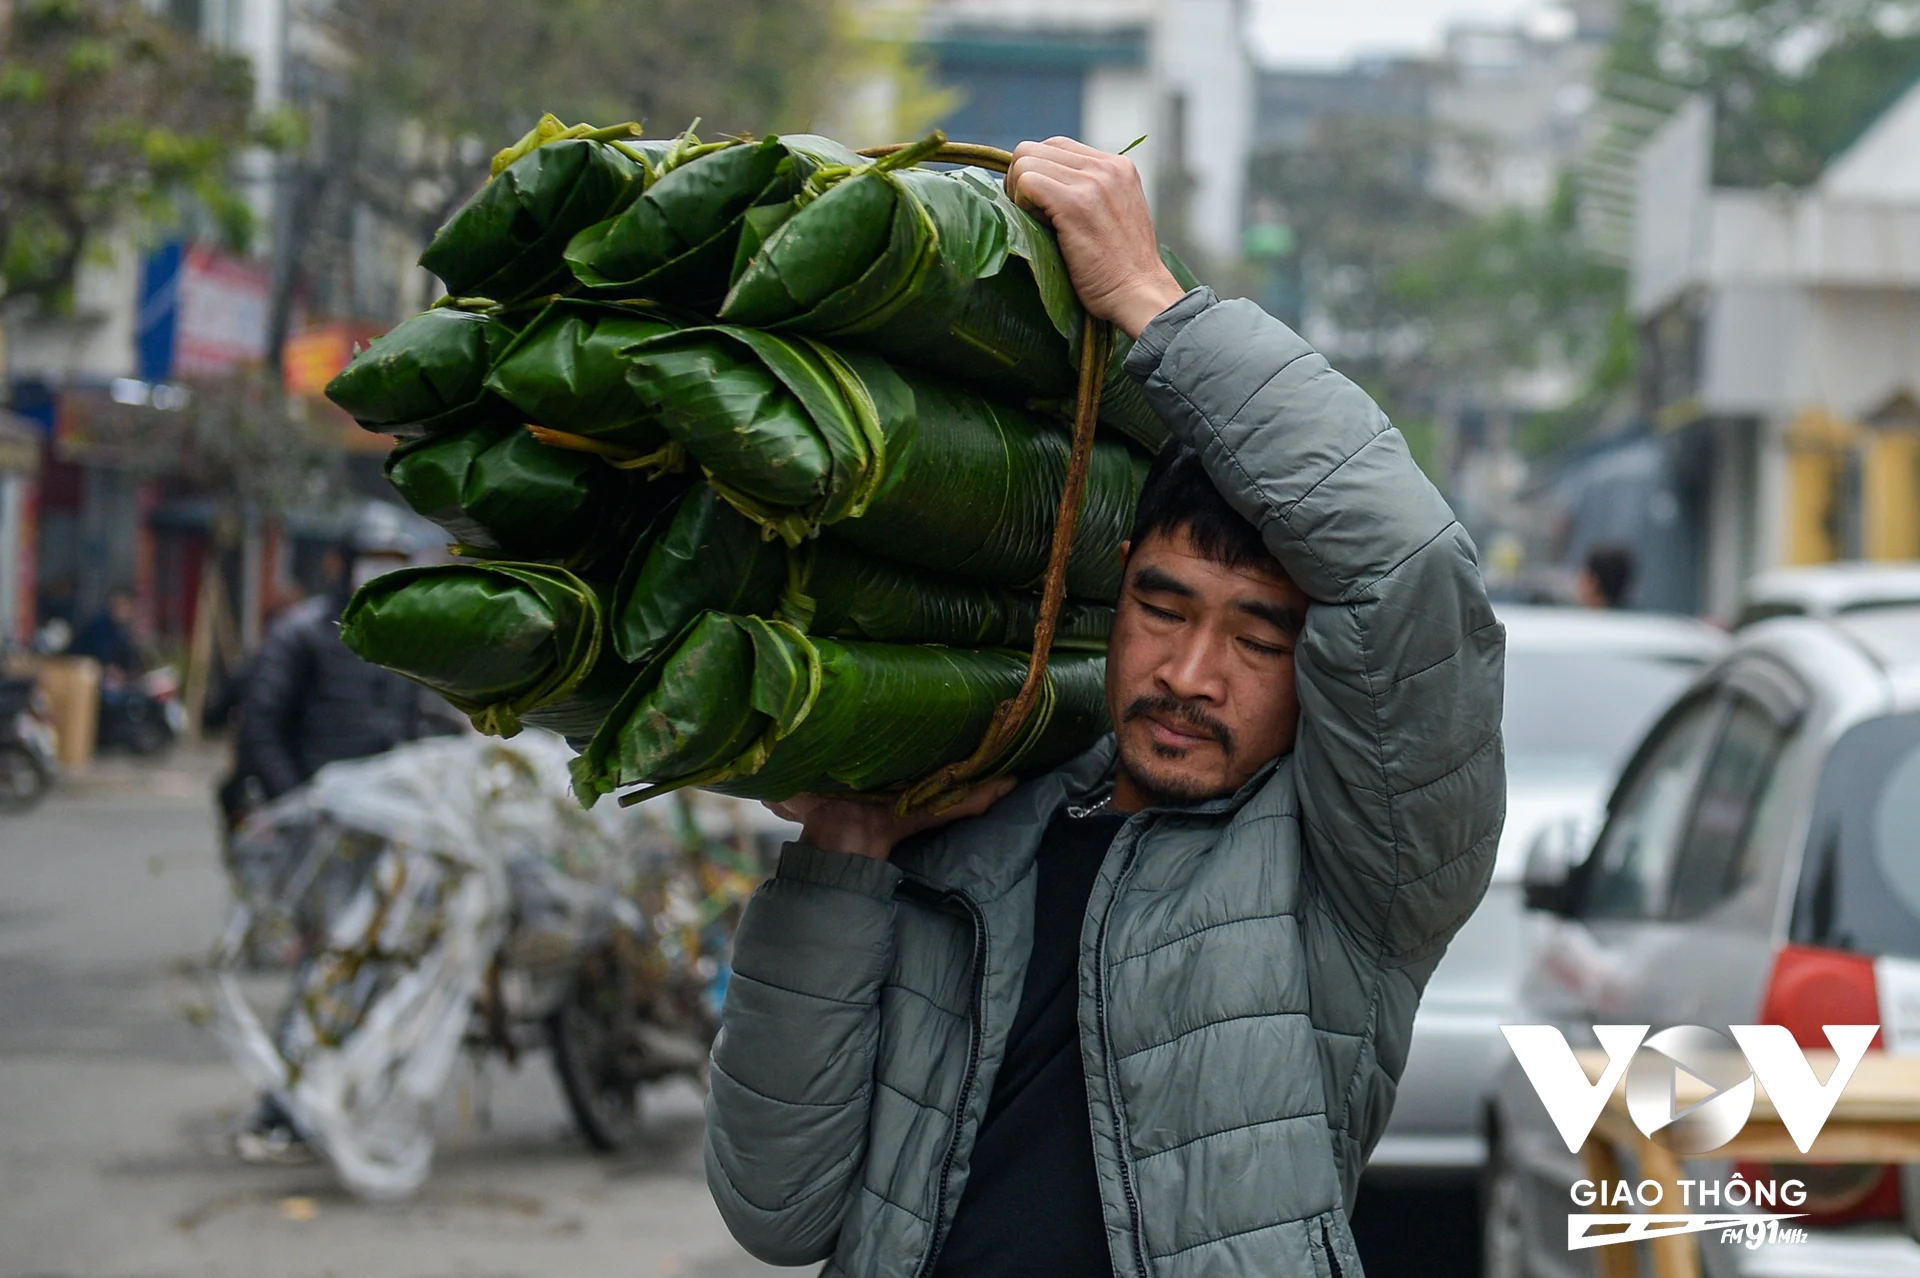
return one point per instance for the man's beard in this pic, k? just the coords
(1172, 791)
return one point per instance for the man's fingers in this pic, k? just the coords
(1040, 186)
(1076, 147)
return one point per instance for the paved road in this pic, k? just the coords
(116, 1109)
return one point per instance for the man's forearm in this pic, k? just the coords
(1400, 666)
(793, 1066)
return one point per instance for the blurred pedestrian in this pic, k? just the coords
(108, 637)
(1606, 577)
(309, 699)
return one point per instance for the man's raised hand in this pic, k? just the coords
(1099, 213)
(868, 825)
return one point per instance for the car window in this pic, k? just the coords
(1580, 714)
(1711, 863)
(1629, 871)
(1860, 883)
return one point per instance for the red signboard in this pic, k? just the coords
(222, 321)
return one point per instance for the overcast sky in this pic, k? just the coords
(1329, 33)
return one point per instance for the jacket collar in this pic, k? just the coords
(986, 856)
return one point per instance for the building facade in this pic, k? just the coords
(1781, 337)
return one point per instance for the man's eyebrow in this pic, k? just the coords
(1161, 582)
(1289, 619)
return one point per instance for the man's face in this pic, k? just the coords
(1199, 672)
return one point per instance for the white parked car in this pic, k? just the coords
(1829, 590)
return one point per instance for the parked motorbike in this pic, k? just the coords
(143, 715)
(451, 894)
(28, 761)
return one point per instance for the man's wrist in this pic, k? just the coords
(1137, 306)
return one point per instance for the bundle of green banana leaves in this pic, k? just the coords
(756, 708)
(500, 493)
(701, 555)
(935, 269)
(506, 242)
(765, 504)
(678, 241)
(801, 436)
(427, 375)
(506, 643)
(512, 643)
(567, 371)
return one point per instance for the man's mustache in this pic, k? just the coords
(1184, 714)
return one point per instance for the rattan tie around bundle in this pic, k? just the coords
(945, 787)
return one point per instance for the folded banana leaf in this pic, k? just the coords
(567, 371)
(677, 242)
(496, 490)
(704, 556)
(799, 436)
(506, 242)
(427, 374)
(938, 270)
(506, 644)
(755, 708)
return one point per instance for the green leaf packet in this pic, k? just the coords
(754, 708)
(508, 644)
(427, 374)
(799, 436)
(506, 243)
(499, 492)
(567, 371)
(701, 555)
(939, 270)
(677, 242)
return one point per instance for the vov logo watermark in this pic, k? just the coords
(1652, 1066)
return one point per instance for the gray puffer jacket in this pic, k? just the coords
(1249, 967)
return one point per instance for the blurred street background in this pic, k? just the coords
(117, 1108)
(1638, 279)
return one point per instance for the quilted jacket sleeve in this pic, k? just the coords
(1400, 667)
(792, 1073)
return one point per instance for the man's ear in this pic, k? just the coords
(1126, 549)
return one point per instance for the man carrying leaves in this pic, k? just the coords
(1144, 1015)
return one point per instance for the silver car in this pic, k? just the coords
(1759, 864)
(1582, 688)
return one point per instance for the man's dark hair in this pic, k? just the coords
(1612, 570)
(1178, 494)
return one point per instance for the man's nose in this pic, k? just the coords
(1192, 671)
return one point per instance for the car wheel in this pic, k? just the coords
(1503, 1222)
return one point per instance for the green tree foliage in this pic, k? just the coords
(1355, 196)
(107, 114)
(1792, 81)
(492, 67)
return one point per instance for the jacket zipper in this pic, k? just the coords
(966, 1079)
(1333, 1257)
(1113, 1083)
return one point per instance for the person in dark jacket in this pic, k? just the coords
(1145, 1014)
(310, 701)
(108, 638)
